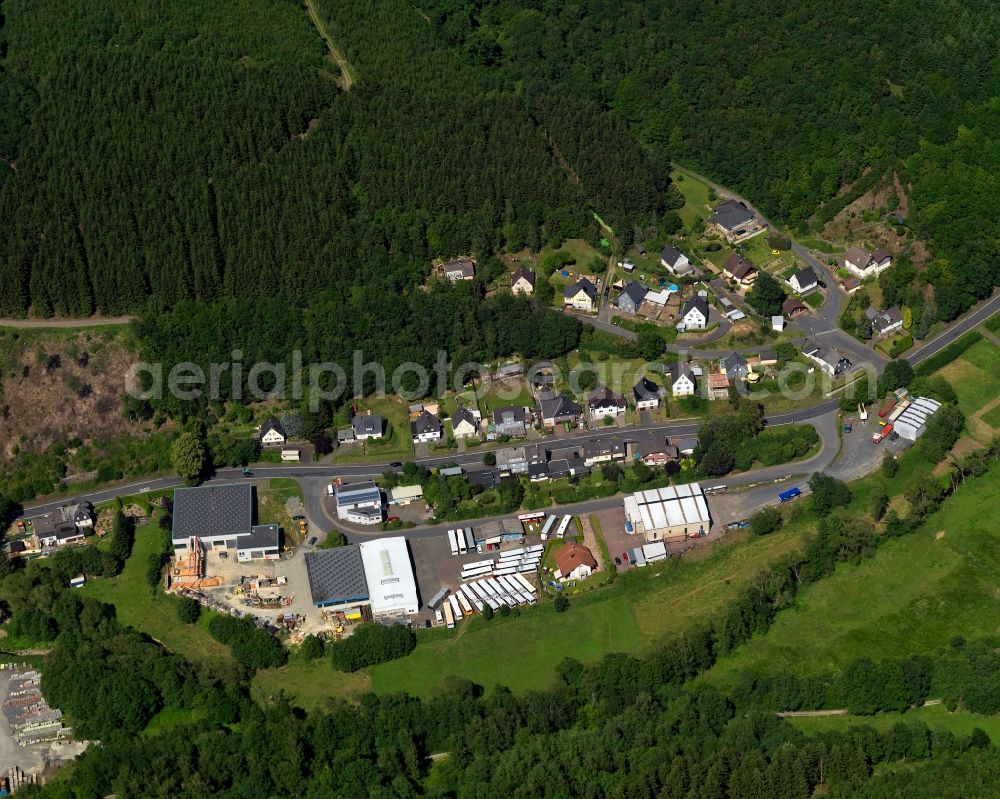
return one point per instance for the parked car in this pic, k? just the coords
(393, 519)
(312, 541)
(625, 557)
(396, 464)
(298, 517)
(618, 561)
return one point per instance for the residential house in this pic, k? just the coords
(559, 409)
(604, 403)
(680, 379)
(804, 280)
(487, 478)
(511, 421)
(885, 322)
(604, 449)
(465, 423)
(509, 370)
(793, 308)
(425, 427)
(735, 221)
(767, 357)
(367, 425)
(718, 386)
(459, 269)
(574, 562)
(734, 366)
(675, 261)
(646, 394)
(828, 360)
(522, 281)
(272, 434)
(694, 313)
(864, 263)
(628, 266)
(631, 297)
(651, 448)
(740, 269)
(512, 460)
(53, 529)
(581, 296)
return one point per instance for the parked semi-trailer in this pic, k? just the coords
(887, 408)
(449, 617)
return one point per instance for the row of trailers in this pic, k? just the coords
(525, 559)
(461, 540)
(511, 591)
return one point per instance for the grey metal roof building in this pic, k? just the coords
(912, 423)
(336, 576)
(212, 512)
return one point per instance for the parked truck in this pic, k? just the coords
(885, 432)
(790, 494)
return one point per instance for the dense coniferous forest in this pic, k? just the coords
(788, 102)
(156, 153)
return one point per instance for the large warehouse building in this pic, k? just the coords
(912, 422)
(222, 517)
(672, 513)
(376, 576)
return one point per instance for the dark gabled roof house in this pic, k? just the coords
(734, 365)
(699, 303)
(583, 285)
(559, 409)
(603, 398)
(739, 267)
(271, 424)
(425, 424)
(804, 279)
(632, 296)
(521, 273)
(731, 214)
(645, 390)
(369, 424)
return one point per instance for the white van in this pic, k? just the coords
(329, 490)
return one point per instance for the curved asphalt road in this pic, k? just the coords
(314, 477)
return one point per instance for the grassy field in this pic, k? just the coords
(151, 611)
(992, 418)
(312, 685)
(915, 594)
(501, 396)
(959, 723)
(696, 194)
(637, 611)
(975, 376)
(271, 498)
